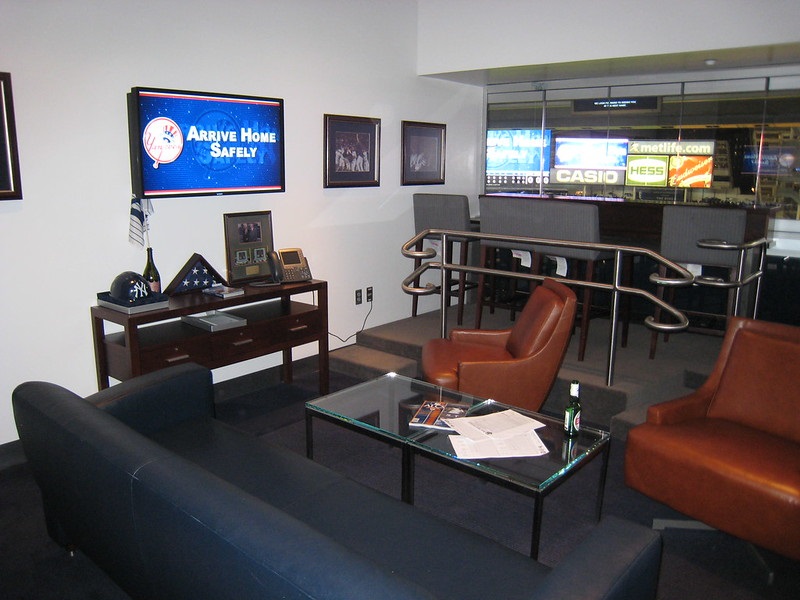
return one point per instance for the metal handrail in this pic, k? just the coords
(615, 288)
(741, 280)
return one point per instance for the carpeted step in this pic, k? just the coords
(365, 363)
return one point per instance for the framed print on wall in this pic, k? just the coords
(10, 185)
(423, 153)
(352, 151)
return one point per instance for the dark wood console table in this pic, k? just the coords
(156, 339)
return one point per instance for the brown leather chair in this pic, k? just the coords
(728, 454)
(516, 366)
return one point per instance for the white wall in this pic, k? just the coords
(71, 65)
(463, 35)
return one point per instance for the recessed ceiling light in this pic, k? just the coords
(710, 62)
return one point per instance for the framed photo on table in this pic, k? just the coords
(10, 185)
(248, 241)
(423, 153)
(352, 151)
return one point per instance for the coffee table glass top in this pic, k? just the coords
(384, 407)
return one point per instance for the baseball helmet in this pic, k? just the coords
(129, 288)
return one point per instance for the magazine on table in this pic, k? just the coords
(432, 414)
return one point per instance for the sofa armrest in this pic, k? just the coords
(489, 337)
(160, 399)
(692, 406)
(619, 559)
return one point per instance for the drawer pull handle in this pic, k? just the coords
(177, 358)
(243, 342)
(298, 328)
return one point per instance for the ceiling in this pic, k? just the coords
(662, 64)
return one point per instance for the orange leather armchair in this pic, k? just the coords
(728, 454)
(516, 366)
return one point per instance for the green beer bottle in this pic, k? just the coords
(572, 414)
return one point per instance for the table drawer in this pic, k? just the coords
(293, 327)
(160, 357)
(263, 337)
(239, 344)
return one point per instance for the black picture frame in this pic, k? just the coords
(10, 183)
(352, 151)
(248, 242)
(423, 153)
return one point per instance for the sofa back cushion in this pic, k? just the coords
(758, 387)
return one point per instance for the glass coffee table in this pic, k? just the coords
(383, 407)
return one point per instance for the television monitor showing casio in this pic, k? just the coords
(517, 159)
(201, 144)
(590, 153)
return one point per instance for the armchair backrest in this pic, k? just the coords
(756, 377)
(547, 318)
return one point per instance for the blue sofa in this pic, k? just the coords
(173, 504)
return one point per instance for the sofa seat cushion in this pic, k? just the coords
(442, 357)
(407, 541)
(721, 473)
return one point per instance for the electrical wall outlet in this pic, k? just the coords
(358, 296)
(369, 294)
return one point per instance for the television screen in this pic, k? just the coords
(590, 153)
(201, 144)
(517, 159)
(775, 160)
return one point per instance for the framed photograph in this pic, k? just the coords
(352, 151)
(10, 185)
(248, 241)
(423, 153)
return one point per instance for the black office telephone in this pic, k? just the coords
(288, 265)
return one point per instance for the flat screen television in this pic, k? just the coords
(590, 153)
(517, 159)
(201, 144)
(775, 160)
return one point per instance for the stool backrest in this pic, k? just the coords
(506, 216)
(441, 211)
(572, 221)
(683, 226)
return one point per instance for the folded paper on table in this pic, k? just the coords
(506, 423)
(503, 434)
(523, 444)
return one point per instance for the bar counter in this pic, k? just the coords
(638, 223)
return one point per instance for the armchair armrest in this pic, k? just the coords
(160, 399)
(692, 406)
(619, 559)
(489, 337)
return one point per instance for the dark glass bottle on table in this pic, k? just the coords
(572, 414)
(150, 273)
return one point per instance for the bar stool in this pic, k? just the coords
(572, 221)
(500, 216)
(444, 211)
(681, 228)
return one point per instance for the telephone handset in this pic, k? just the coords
(288, 265)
